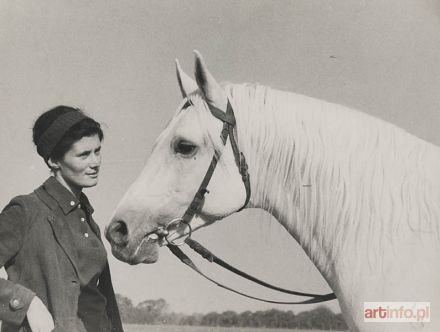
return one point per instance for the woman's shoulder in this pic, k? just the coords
(40, 201)
(30, 201)
(25, 199)
(37, 198)
(24, 209)
(23, 202)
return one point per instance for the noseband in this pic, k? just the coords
(229, 123)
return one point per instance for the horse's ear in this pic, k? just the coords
(186, 84)
(211, 90)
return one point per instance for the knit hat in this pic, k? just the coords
(53, 135)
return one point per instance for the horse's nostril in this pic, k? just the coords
(117, 233)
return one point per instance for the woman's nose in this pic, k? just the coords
(95, 161)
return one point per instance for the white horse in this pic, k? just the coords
(361, 196)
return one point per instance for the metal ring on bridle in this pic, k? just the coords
(184, 236)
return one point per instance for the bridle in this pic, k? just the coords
(229, 123)
(194, 207)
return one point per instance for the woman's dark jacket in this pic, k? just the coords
(37, 252)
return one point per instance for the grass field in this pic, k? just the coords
(172, 328)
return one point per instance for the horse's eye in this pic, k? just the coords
(184, 148)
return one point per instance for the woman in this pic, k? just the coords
(58, 274)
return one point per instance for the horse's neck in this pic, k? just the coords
(325, 171)
(298, 149)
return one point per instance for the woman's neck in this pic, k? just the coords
(75, 190)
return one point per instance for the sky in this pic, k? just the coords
(115, 60)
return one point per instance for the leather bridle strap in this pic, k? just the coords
(315, 298)
(229, 123)
(209, 256)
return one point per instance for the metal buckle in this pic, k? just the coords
(177, 226)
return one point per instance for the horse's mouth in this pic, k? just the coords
(144, 247)
(145, 251)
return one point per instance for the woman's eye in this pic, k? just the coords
(185, 148)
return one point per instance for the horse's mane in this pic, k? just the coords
(333, 172)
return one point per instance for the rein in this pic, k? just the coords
(229, 123)
(205, 253)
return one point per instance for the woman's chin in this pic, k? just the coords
(90, 183)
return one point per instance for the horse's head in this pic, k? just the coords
(173, 174)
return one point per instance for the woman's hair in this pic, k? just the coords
(55, 132)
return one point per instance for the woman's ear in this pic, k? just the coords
(53, 164)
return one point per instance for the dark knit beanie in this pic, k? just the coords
(53, 135)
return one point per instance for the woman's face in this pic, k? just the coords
(79, 168)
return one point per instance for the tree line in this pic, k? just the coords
(157, 312)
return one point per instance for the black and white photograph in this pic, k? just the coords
(220, 165)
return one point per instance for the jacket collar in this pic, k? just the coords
(62, 197)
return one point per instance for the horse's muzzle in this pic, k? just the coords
(129, 248)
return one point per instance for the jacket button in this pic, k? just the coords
(72, 203)
(15, 304)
